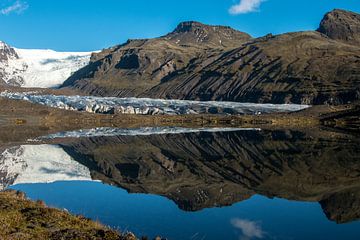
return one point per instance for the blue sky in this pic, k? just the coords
(85, 25)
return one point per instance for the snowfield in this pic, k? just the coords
(49, 69)
(34, 68)
(147, 106)
(39, 164)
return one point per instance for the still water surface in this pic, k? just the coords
(256, 218)
(200, 185)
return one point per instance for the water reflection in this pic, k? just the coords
(250, 229)
(201, 170)
(39, 164)
(147, 214)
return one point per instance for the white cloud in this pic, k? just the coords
(245, 6)
(250, 229)
(17, 7)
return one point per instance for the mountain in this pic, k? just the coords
(201, 62)
(38, 68)
(139, 65)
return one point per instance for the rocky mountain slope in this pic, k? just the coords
(201, 62)
(38, 68)
(139, 65)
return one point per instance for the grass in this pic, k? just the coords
(23, 219)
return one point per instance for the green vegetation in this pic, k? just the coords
(23, 219)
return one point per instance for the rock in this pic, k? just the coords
(341, 25)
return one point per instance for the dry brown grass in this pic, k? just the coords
(23, 219)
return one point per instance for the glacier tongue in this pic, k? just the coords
(39, 164)
(147, 106)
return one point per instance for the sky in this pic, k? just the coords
(87, 25)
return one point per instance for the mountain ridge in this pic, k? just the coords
(311, 67)
(204, 62)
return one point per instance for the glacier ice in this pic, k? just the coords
(147, 106)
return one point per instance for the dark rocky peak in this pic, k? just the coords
(191, 32)
(341, 25)
(342, 207)
(189, 26)
(7, 52)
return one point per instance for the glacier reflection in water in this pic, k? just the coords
(144, 131)
(39, 164)
(147, 106)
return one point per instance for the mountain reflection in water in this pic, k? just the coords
(202, 170)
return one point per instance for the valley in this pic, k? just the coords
(202, 133)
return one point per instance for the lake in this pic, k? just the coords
(191, 184)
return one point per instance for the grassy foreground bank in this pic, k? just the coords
(23, 219)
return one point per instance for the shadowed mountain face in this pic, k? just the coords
(202, 62)
(202, 170)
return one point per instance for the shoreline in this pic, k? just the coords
(22, 218)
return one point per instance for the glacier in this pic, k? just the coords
(147, 106)
(39, 164)
(37, 68)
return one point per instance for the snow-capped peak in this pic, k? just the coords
(7, 52)
(2, 45)
(37, 67)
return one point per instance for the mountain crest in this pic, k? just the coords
(192, 26)
(192, 32)
(188, 26)
(341, 25)
(7, 52)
